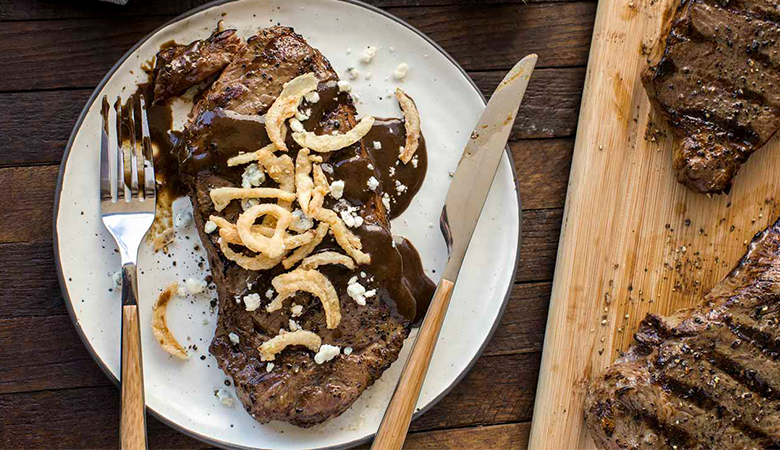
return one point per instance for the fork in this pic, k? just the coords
(127, 204)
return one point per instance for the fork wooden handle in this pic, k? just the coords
(395, 423)
(133, 421)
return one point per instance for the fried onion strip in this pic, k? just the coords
(286, 105)
(272, 247)
(321, 189)
(257, 262)
(303, 182)
(411, 124)
(222, 196)
(276, 344)
(246, 158)
(328, 143)
(229, 232)
(348, 241)
(306, 249)
(312, 282)
(320, 259)
(160, 329)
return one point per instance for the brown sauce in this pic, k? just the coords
(400, 181)
(214, 136)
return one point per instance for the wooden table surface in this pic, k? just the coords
(53, 53)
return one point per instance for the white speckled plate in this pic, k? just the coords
(182, 393)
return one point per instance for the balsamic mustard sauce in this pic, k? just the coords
(215, 136)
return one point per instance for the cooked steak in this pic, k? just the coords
(178, 67)
(718, 85)
(228, 119)
(704, 378)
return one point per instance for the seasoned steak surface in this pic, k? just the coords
(718, 85)
(703, 378)
(226, 120)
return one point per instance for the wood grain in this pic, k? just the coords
(498, 390)
(477, 37)
(395, 423)
(549, 111)
(27, 203)
(474, 438)
(633, 239)
(28, 281)
(132, 423)
(53, 9)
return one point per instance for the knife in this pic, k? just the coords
(462, 208)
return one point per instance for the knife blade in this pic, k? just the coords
(478, 164)
(462, 208)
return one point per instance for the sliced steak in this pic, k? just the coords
(718, 85)
(228, 120)
(705, 378)
(179, 67)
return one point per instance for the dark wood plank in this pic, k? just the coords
(28, 282)
(54, 9)
(542, 167)
(498, 36)
(38, 124)
(41, 353)
(76, 53)
(27, 203)
(549, 110)
(513, 435)
(541, 229)
(525, 317)
(498, 390)
(74, 418)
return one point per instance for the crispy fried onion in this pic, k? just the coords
(303, 182)
(321, 189)
(279, 168)
(246, 158)
(306, 249)
(222, 196)
(411, 124)
(276, 344)
(273, 246)
(160, 329)
(348, 241)
(229, 232)
(286, 105)
(328, 143)
(257, 262)
(312, 282)
(319, 259)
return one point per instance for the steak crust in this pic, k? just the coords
(718, 86)
(703, 378)
(228, 119)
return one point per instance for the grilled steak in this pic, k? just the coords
(178, 67)
(718, 85)
(228, 119)
(704, 378)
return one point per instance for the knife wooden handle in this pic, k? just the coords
(395, 423)
(132, 425)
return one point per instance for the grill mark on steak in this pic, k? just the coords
(718, 85)
(718, 360)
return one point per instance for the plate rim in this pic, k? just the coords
(58, 193)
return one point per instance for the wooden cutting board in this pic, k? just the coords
(633, 240)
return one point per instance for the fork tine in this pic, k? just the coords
(105, 161)
(150, 188)
(122, 191)
(133, 149)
